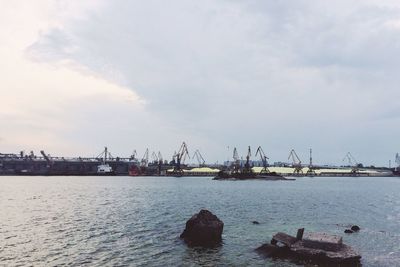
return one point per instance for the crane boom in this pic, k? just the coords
(134, 154)
(154, 157)
(236, 160)
(199, 158)
(247, 164)
(180, 157)
(145, 160)
(295, 159)
(159, 156)
(296, 162)
(351, 160)
(310, 170)
(263, 158)
(46, 157)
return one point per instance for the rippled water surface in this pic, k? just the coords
(136, 221)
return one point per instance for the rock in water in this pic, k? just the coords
(255, 222)
(348, 231)
(355, 228)
(203, 229)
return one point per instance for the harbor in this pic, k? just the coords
(153, 164)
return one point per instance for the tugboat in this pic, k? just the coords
(104, 168)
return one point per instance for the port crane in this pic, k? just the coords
(247, 167)
(264, 159)
(236, 160)
(160, 157)
(296, 162)
(397, 160)
(352, 162)
(179, 158)
(310, 171)
(157, 160)
(47, 158)
(133, 156)
(145, 160)
(199, 158)
(154, 157)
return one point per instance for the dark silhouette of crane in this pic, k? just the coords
(145, 160)
(236, 161)
(179, 159)
(247, 167)
(157, 160)
(133, 156)
(310, 171)
(47, 158)
(264, 159)
(296, 162)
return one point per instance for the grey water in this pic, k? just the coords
(136, 221)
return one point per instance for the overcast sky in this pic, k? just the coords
(76, 76)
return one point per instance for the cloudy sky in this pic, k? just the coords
(79, 75)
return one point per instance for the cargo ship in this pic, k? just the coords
(44, 164)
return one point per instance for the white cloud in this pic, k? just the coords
(278, 74)
(42, 103)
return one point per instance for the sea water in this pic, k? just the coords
(136, 221)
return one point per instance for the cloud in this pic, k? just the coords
(42, 104)
(273, 73)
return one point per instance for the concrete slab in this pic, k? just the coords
(323, 241)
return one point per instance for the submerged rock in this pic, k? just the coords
(203, 229)
(348, 231)
(255, 222)
(355, 228)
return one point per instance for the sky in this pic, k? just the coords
(80, 75)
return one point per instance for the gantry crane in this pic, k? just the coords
(264, 159)
(296, 162)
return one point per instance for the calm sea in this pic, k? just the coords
(136, 221)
